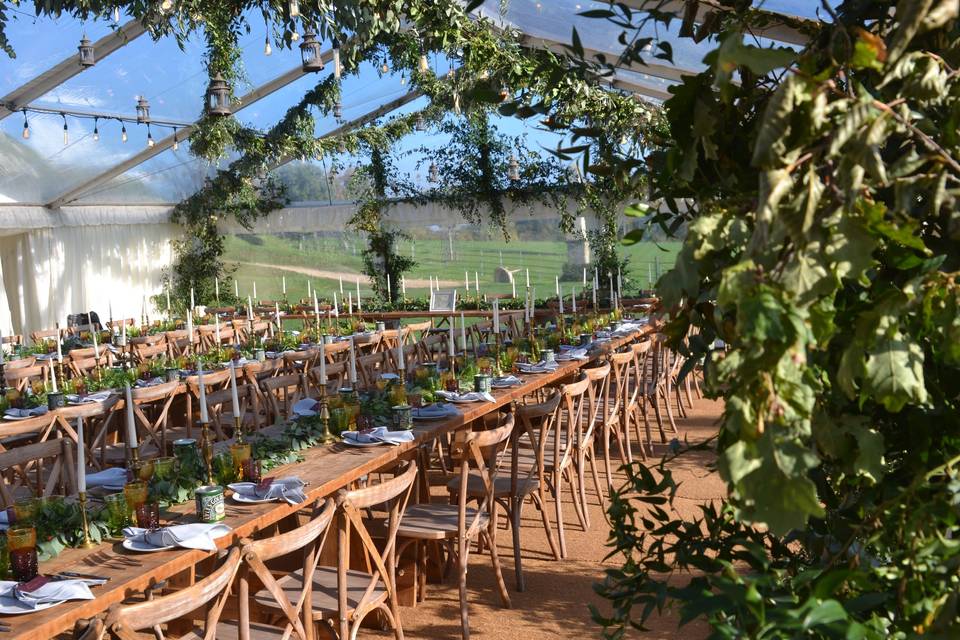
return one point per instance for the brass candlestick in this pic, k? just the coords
(135, 463)
(238, 429)
(87, 543)
(206, 449)
(326, 437)
(497, 371)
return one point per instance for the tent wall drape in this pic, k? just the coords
(81, 258)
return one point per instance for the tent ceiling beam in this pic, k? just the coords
(63, 71)
(780, 26)
(165, 143)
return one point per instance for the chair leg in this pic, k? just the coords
(606, 455)
(601, 496)
(464, 550)
(495, 559)
(558, 505)
(541, 503)
(673, 424)
(646, 423)
(581, 493)
(572, 477)
(516, 509)
(654, 398)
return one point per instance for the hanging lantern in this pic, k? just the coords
(421, 124)
(294, 7)
(87, 56)
(218, 96)
(456, 103)
(338, 111)
(143, 110)
(267, 50)
(310, 53)
(513, 169)
(337, 71)
(424, 63)
(504, 92)
(123, 132)
(433, 173)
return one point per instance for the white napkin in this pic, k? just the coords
(99, 396)
(53, 591)
(578, 353)
(112, 476)
(506, 381)
(379, 434)
(26, 413)
(289, 489)
(472, 396)
(305, 407)
(437, 410)
(149, 383)
(540, 367)
(189, 536)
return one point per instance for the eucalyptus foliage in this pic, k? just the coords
(821, 189)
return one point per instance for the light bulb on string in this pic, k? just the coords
(267, 50)
(294, 7)
(116, 14)
(176, 143)
(96, 130)
(66, 133)
(385, 68)
(294, 36)
(123, 132)
(26, 126)
(424, 63)
(166, 5)
(403, 79)
(150, 141)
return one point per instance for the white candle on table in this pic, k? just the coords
(353, 363)
(250, 312)
(123, 332)
(358, 296)
(560, 299)
(350, 302)
(466, 281)
(132, 440)
(316, 308)
(93, 334)
(341, 285)
(389, 292)
(463, 333)
(168, 302)
(53, 376)
(557, 285)
(594, 293)
(612, 294)
(528, 278)
(236, 288)
(336, 309)
(308, 289)
(283, 284)
(234, 396)
(496, 316)
(401, 364)
(323, 364)
(192, 302)
(81, 458)
(513, 288)
(584, 277)
(110, 313)
(216, 320)
(619, 281)
(204, 418)
(59, 348)
(476, 281)
(451, 348)
(216, 288)
(403, 286)
(254, 289)
(573, 300)
(277, 308)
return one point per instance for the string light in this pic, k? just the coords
(176, 143)
(116, 14)
(123, 133)
(424, 63)
(166, 5)
(150, 141)
(294, 7)
(338, 111)
(266, 46)
(385, 68)
(66, 133)
(26, 126)
(403, 79)
(294, 36)
(96, 130)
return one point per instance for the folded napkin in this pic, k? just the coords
(540, 367)
(289, 489)
(436, 410)
(189, 536)
(42, 590)
(378, 434)
(306, 407)
(25, 413)
(472, 396)
(506, 381)
(111, 476)
(149, 383)
(578, 353)
(99, 396)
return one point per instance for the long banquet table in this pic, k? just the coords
(325, 469)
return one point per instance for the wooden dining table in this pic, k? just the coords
(324, 469)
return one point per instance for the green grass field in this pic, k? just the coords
(253, 256)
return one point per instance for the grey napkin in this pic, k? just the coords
(379, 434)
(472, 396)
(189, 536)
(26, 413)
(289, 489)
(53, 591)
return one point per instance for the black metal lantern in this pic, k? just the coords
(87, 56)
(513, 169)
(218, 96)
(143, 110)
(310, 53)
(421, 124)
(338, 111)
(433, 174)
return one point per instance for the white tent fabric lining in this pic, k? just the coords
(80, 258)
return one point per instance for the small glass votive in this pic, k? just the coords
(148, 515)
(164, 468)
(25, 510)
(239, 453)
(252, 470)
(118, 512)
(22, 544)
(135, 493)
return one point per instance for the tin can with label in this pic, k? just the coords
(549, 356)
(55, 400)
(209, 503)
(260, 355)
(402, 417)
(381, 326)
(329, 339)
(482, 383)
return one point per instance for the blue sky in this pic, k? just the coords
(174, 81)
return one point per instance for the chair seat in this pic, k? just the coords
(230, 630)
(434, 521)
(501, 485)
(324, 590)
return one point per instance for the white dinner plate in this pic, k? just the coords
(431, 416)
(142, 547)
(7, 416)
(13, 607)
(248, 499)
(355, 443)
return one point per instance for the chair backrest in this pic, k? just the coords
(42, 468)
(337, 351)
(597, 398)
(281, 393)
(300, 361)
(20, 363)
(153, 339)
(23, 377)
(151, 411)
(307, 539)
(481, 451)
(220, 408)
(44, 335)
(417, 330)
(394, 494)
(369, 368)
(336, 377)
(122, 621)
(570, 416)
(148, 352)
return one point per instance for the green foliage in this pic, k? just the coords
(822, 248)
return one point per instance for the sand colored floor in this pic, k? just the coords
(557, 594)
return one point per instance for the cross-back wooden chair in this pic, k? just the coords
(150, 339)
(146, 353)
(98, 424)
(620, 411)
(458, 524)
(44, 335)
(432, 347)
(123, 621)
(390, 338)
(366, 343)
(179, 343)
(19, 363)
(83, 362)
(14, 340)
(119, 323)
(300, 361)
(479, 333)
(281, 393)
(346, 596)
(260, 329)
(40, 469)
(336, 378)
(241, 329)
(584, 449)
(151, 412)
(35, 429)
(290, 609)
(656, 387)
(337, 351)
(220, 411)
(22, 377)
(212, 381)
(369, 368)
(416, 331)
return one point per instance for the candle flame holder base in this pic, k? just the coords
(87, 542)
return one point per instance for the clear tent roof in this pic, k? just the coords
(43, 167)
